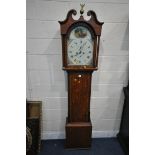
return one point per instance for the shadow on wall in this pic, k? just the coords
(114, 47)
(124, 46)
(119, 110)
(126, 35)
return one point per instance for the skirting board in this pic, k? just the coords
(95, 134)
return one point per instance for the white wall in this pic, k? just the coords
(46, 81)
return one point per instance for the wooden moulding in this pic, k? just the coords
(93, 22)
(33, 118)
(78, 135)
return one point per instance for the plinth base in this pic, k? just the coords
(78, 135)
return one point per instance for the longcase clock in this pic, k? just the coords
(80, 50)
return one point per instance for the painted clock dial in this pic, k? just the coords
(80, 47)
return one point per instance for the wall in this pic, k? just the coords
(46, 81)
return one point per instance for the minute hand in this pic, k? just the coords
(82, 47)
(81, 53)
(77, 53)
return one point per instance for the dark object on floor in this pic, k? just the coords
(100, 146)
(33, 126)
(123, 135)
(32, 138)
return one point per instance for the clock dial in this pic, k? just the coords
(80, 47)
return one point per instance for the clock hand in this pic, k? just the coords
(82, 46)
(83, 53)
(76, 53)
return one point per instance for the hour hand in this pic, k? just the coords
(81, 55)
(79, 52)
(82, 46)
(76, 54)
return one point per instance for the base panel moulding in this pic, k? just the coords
(78, 135)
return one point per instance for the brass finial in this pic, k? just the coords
(82, 6)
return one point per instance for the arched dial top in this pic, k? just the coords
(80, 46)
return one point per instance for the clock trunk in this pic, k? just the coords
(78, 123)
(79, 86)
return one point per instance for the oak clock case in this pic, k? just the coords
(80, 50)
